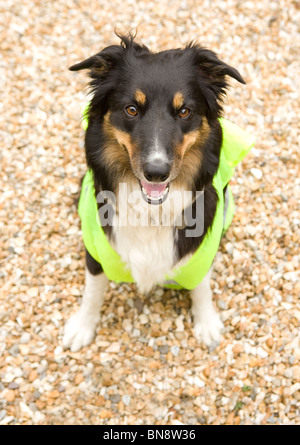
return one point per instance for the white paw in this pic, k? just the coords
(80, 330)
(208, 328)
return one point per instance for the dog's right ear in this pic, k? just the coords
(101, 62)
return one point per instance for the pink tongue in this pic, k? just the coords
(154, 190)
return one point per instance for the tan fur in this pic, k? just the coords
(178, 100)
(189, 155)
(118, 151)
(140, 97)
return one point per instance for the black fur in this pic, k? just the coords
(93, 266)
(186, 245)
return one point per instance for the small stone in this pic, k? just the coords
(256, 173)
(127, 325)
(3, 314)
(136, 332)
(114, 347)
(139, 305)
(14, 350)
(78, 379)
(58, 350)
(179, 323)
(148, 352)
(175, 350)
(24, 349)
(36, 394)
(166, 325)
(296, 373)
(155, 330)
(164, 349)
(33, 292)
(107, 379)
(25, 338)
(229, 248)
(10, 395)
(143, 319)
(40, 404)
(207, 371)
(33, 375)
(237, 349)
(99, 401)
(291, 359)
(55, 394)
(126, 400)
(222, 305)
(115, 398)
(105, 414)
(13, 385)
(25, 410)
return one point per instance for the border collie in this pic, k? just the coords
(153, 124)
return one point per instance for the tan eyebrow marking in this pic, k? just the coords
(178, 100)
(140, 97)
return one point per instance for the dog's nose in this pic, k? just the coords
(156, 172)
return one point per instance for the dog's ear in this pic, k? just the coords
(211, 74)
(111, 56)
(91, 62)
(211, 66)
(101, 62)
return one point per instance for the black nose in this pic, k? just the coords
(156, 172)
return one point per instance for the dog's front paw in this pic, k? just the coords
(208, 327)
(80, 330)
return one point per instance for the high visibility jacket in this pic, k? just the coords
(236, 144)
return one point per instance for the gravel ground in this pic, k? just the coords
(144, 366)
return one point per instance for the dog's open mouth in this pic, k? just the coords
(154, 193)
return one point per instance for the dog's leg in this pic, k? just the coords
(207, 323)
(80, 328)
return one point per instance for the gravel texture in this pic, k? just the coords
(144, 366)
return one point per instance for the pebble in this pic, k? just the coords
(143, 319)
(14, 350)
(258, 174)
(166, 325)
(175, 350)
(13, 385)
(126, 400)
(25, 338)
(164, 349)
(58, 350)
(179, 324)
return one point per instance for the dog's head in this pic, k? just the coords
(154, 115)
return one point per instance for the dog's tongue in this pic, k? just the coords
(154, 190)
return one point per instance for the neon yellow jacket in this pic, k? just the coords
(236, 144)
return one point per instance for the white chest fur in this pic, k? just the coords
(148, 252)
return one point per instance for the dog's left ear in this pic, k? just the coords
(210, 66)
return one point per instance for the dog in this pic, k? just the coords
(154, 125)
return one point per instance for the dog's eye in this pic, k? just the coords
(131, 110)
(184, 113)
